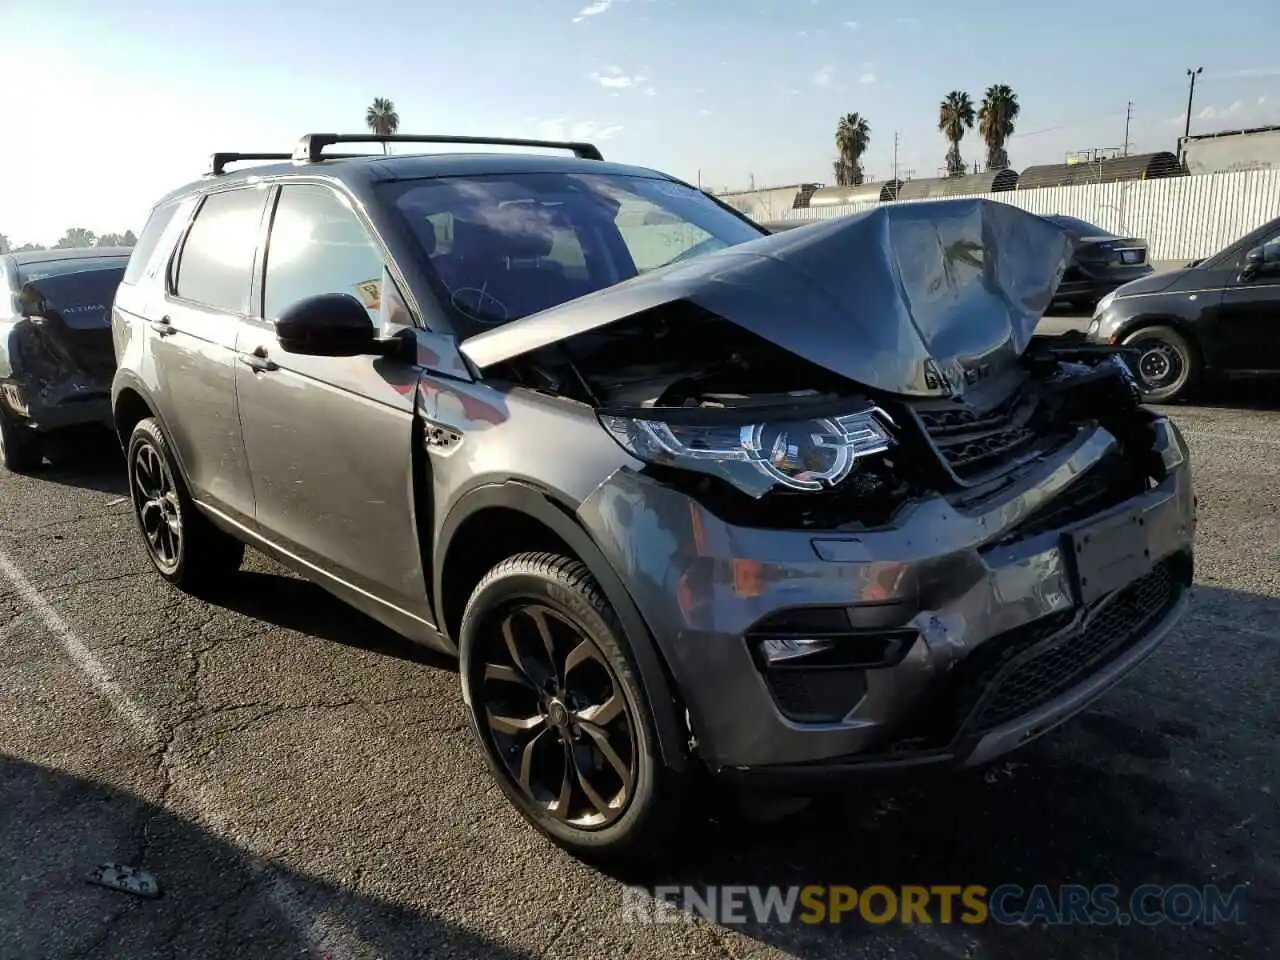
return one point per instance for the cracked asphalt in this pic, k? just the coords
(304, 784)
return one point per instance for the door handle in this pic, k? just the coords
(163, 326)
(258, 364)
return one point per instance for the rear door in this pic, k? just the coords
(191, 338)
(1248, 321)
(330, 439)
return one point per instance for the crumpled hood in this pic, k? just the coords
(918, 298)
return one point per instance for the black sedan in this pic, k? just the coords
(1220, 315)
(1103, 261)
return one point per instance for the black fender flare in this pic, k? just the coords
(557, 517)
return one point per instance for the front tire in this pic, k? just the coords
(563, 719)
(1168, 366)
(21, 449)
(185, 548)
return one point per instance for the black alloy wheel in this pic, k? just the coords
(567, 727)
(155, 498)
(558, 717)
(183, 545)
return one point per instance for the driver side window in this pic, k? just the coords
(318, 245)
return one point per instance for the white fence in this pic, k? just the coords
(1180, 217)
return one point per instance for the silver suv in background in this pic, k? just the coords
(682, 496)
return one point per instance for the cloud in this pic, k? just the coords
(1235, 114)
(565, 129)
(867, 78)
(650, 92)
(704, 112)
(852, 24)
(823, 76)
(593, 9)
(615, 78)
(907, 21)
(1256, 72)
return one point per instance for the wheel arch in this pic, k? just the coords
(531, 518)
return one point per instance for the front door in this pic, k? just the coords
(192, 340)
(1249, 318)
(330, 439)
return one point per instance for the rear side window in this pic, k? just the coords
(216, 264)
(160, 218)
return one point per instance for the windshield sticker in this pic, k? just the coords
(370, 293)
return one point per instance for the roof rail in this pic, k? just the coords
(219, 161)
(311, 147)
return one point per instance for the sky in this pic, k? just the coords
(110, 104)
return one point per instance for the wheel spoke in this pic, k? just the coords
(513, 649)
(514, 726)
(602, 714)
(560, 808)
(526, 761)
(501, 673)
(597, 801)
(539, 618)
(610, 755)
(584, 652)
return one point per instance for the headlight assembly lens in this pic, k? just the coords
(796, 455)
(1104, 303)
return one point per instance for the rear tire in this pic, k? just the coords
(565, 723)
(21, 448)
(1168, 368)
(183, 545)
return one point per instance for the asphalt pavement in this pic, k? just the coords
(304, 784)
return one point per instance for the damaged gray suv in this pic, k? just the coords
(684, 498)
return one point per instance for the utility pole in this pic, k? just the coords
(753, 181)
(1128, 115)
(1190, 95)
(895, 155)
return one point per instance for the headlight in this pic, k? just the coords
(1104, 304)
(756, 458)
(1094, 325)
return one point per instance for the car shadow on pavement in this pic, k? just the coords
(215, 902)
(291, 603)
(89, 459)
(1165, 780)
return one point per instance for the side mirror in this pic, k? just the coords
(1253, 261)
(327, 325)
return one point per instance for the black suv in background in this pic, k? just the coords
(1216, 316)
(56, 359)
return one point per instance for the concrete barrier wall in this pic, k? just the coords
(1182, 218)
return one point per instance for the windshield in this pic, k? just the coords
(41, 269)
(506, 246)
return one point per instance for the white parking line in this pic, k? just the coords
(326, 936)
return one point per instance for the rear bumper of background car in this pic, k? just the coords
(46, 406)
(998, 638)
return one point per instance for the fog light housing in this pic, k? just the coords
(783, 649)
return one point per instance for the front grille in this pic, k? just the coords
(1012, 675)
(972, 442)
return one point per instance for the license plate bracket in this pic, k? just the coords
(1109, 554)
(1130, 256)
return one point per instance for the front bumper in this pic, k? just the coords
(953, 582)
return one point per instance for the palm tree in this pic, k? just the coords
(853, 136)
(955, 116)
(382, 119)
(1000, 109)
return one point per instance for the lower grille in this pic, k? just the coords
(1014, 676)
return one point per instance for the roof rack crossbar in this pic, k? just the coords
(311, 147)
(219, 161)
